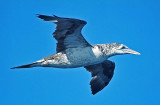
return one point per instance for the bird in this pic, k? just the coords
(73, 51)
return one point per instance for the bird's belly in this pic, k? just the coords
(82, 57)
(75, 57)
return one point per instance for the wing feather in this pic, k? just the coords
(102, 74)
(68, 32)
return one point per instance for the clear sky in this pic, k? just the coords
(25, 38)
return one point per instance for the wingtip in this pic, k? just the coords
(48, 18)
(93, 93)
(39, 15)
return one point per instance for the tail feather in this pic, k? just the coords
(26, 66)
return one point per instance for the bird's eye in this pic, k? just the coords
(123, 47)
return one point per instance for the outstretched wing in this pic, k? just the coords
(102, 74)
(68, 32)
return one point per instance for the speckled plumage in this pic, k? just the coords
(74, 51)
(77, 57)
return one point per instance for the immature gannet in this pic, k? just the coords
(74, 51)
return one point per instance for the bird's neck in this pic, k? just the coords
(106, 50)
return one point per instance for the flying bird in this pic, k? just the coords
(74, 51)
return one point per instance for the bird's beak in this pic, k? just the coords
(130, 51)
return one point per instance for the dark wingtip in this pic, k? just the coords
(93, 93)
(47, 18)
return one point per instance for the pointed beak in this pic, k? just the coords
(130, 51)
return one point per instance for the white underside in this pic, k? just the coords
(76, 57)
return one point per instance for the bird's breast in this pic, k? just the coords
(84, 56)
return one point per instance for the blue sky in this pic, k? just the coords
(25, 38)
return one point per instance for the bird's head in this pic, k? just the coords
(119, 49)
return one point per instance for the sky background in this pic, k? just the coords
(25, 38)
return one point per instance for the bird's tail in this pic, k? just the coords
(35, 64)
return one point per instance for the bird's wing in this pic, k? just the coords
(102, 74)
(68, 32)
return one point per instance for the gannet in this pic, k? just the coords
(74, 51)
